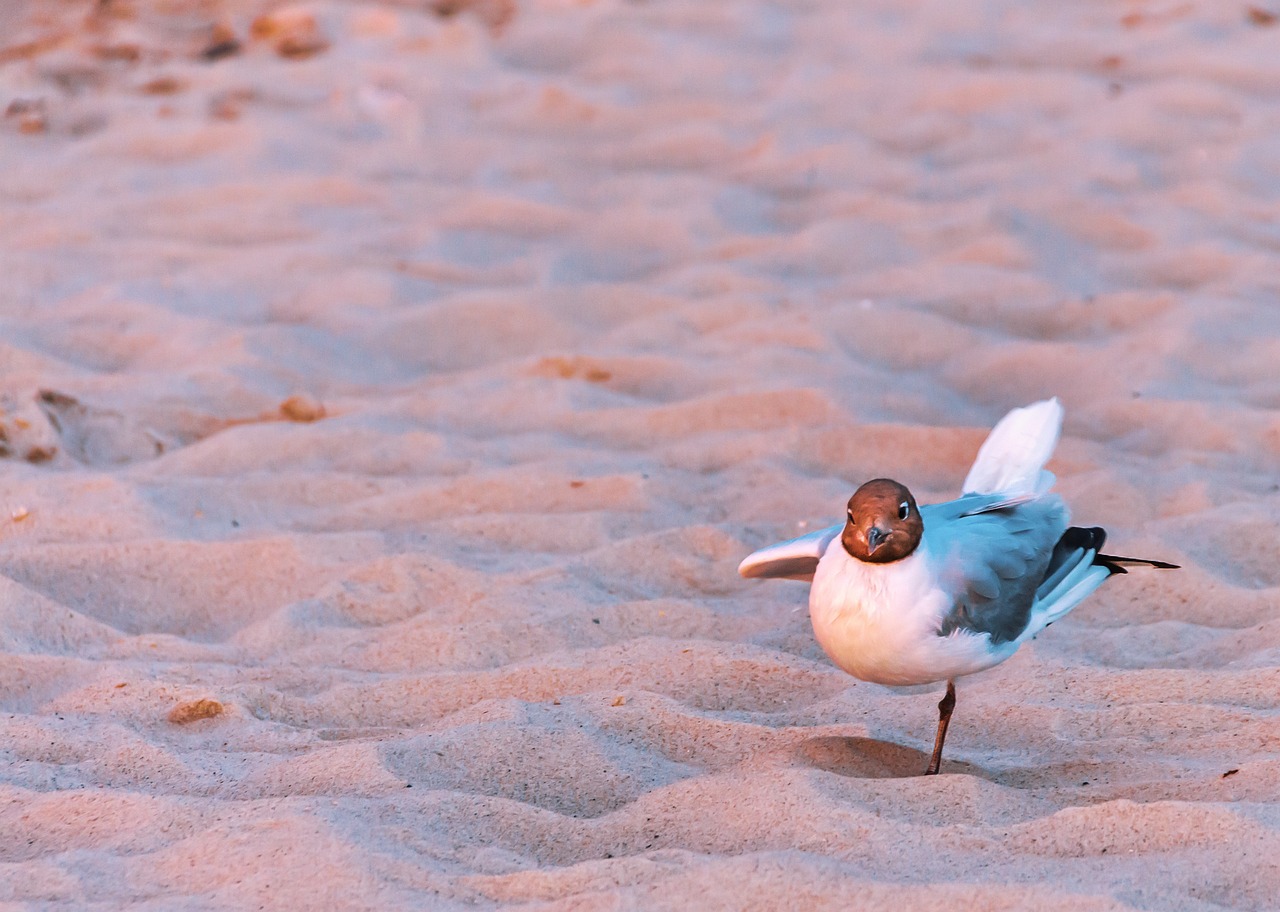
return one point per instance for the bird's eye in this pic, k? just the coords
(850, 512)
(904, 510)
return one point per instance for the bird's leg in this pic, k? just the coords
(945, 705)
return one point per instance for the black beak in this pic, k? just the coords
(875, 538)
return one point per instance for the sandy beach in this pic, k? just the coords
(389, 391)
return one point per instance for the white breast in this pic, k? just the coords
(879, 622)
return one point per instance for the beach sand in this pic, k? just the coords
(390, 391)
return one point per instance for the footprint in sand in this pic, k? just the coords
(98, 437)
(104, 437)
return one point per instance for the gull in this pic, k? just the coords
(904, 594)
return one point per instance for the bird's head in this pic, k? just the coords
(884, 523)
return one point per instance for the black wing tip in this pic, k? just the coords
(1114, 563)
(1092, 538)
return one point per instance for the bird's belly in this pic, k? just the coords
(885, 630)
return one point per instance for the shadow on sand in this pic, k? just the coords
(867, 758)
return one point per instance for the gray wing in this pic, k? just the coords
(992, 557)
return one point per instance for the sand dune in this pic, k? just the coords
(388, 392)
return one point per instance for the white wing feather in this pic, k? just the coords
(1011, 460)
(795, 559)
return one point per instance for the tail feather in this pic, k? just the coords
(1076, 568)
(1012, 458)
(1081, 587)
(1069, 553)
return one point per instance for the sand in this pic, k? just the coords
(390, 390)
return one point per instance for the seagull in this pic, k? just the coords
(904, 594)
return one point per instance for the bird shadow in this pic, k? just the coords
(867, 758)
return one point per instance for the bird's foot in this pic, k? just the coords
(945, 706)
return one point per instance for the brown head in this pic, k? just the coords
(884, 522)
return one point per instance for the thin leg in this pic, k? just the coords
(945, 705)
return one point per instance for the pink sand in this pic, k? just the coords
(588, 300)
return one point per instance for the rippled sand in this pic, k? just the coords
(388, 400)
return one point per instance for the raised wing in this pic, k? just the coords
(1011, 459)
(796, 559)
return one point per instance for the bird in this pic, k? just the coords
(903, 594)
